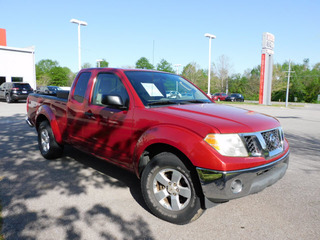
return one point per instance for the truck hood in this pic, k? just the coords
(222, 118)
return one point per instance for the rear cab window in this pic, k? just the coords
(81, 87)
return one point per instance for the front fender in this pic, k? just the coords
(45, 111)
(188, 142)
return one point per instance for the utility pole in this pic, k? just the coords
(288, 83)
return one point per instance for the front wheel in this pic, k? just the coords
(168, 190)
(48, 146)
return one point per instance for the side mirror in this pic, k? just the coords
(113, 101)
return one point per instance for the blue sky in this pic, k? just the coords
(123, 31)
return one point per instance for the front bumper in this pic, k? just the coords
(219, 186)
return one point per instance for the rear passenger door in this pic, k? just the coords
(76, 119)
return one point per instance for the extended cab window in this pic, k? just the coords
(81, 87)
(109, 84)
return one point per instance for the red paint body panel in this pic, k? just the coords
(121, 136)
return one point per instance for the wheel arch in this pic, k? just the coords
(157, 148)
(45, 114)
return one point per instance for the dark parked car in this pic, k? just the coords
(219, 96)
(49, 90)
(14, 91)
(235, 97)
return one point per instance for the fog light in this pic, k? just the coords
(236, 186)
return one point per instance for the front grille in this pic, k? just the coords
(252, 145)
(272, 139)
(266, 144)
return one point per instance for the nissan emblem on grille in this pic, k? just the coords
(274, 140)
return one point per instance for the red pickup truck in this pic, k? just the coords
(189, 152)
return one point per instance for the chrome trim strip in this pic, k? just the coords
(247, 169)
(29, 123)
(264, 151)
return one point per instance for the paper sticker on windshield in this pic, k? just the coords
(152, 90)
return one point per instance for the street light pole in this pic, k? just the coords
(99, 61)
(79, 41)
(210, 36)
(177, 67)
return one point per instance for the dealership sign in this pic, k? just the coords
(266, 68)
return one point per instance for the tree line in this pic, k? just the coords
(304, 79)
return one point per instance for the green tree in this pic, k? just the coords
(165, 66)
(43, 70)
(48, 72)
(103, 63)
(223, 69)
(313, 87)
(304, 82)
(86, 65)
(279, 82)
(143, 63)
(252, 88)
(238, 84)
(59, 76)
(45, 65)
(196, 75)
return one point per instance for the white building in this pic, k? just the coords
(17, 64)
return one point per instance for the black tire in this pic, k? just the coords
(48, 146)
(168, 190)
(8, 98)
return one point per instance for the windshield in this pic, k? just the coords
(156, 88)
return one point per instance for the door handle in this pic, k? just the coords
(89, 114)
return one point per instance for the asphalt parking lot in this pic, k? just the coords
(81, 197)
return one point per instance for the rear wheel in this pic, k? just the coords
(168, 190)
(8, 98)
(48, 146)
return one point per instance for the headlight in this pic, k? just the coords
(227, 144)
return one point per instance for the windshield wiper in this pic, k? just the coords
(193, 101)
(162, 103)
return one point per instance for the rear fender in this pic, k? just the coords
(45, 112)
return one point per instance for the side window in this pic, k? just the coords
(109, 84)
(81, 87)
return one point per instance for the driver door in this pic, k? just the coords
(108, 129)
